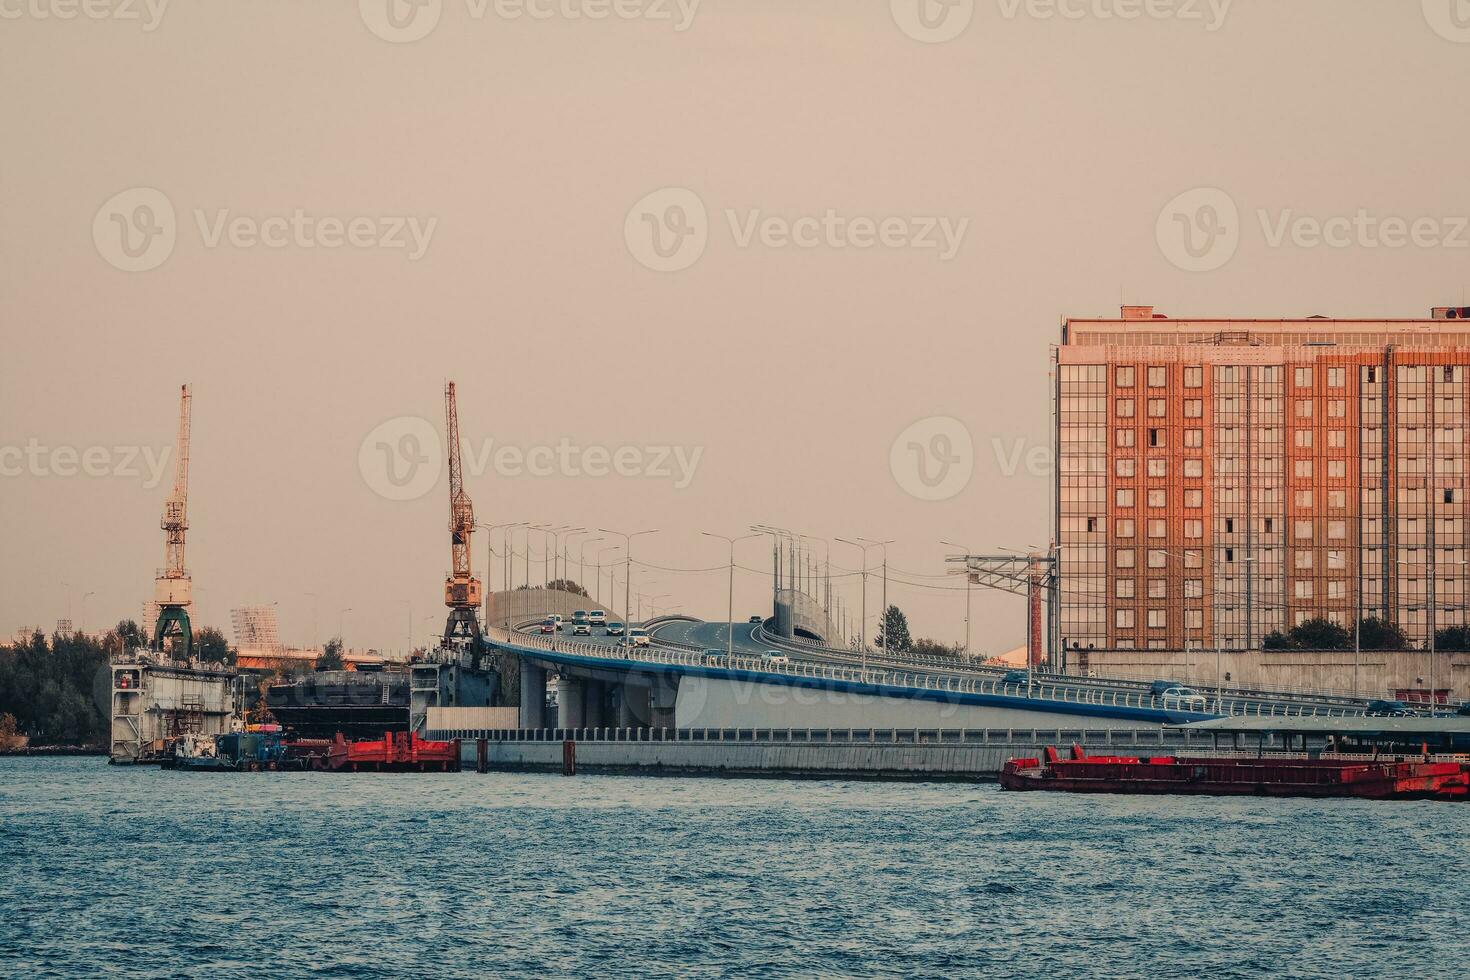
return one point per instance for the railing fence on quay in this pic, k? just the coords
(1060, 737)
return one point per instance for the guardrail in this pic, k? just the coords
(950, 683)
(1123, 737)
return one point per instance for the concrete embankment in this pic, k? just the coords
(815, 754)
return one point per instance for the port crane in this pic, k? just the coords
(461, 589)
(172, 588)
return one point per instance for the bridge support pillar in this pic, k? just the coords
(662, 698)
(533, 695)
(571, 702)
(596, 705)
(632, 706)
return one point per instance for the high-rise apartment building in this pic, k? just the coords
(1219, 480)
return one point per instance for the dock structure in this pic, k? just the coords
(154, 700)
(892, 754)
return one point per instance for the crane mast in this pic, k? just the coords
(173, 590)
(461, 589)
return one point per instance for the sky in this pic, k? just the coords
(691, 266)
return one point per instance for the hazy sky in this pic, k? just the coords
(358, 216)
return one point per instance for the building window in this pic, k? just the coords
(1304, 589)
(1124, 408)
(1194, 438)
(1194, 377)
(1194, 619)
(1157, 619)
(1193, 408)
(1336, 409)
(1123, 619)
(1337, 468)
(1124, 527)
(1194, 498)
(1304, 499)
(1157, 377)
(1194, 468)
(1124, 377)
(1303, 467)
(1303, 558)
(1304, 408)
(1158, 466)
(1123, 438)
(1155, 408)
(1304, 377)
(1303, 530)
(1156, 558)
(1156, 438)
(1156, 529)
(1194, 588)
(1336, 439)
(1337, 499)
(1336, 530)
(1123, 466)
(1194, 529)
(1157, 498)
(1194, 558)
(1304, 438)
(1335, 377)
(1124, 558)
(1124, 497)
(1157, 589)
(1123, 588)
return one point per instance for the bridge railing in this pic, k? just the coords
(1198, 706)
(1060, 737)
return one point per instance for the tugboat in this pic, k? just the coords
(1275, 775)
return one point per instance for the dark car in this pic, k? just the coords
(757, 619)
(1388, 709)
(1022, 677)
(1463, 710)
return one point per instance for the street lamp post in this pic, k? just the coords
(966, 550)
(598, 554)
(887, 643)
(341, 615)
(627, 567)
(730, 594)
(582, 560)
(863, 612)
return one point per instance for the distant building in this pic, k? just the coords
(256, 629)
(1220, 479)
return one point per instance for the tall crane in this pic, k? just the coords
(461, 589)
(172, 588)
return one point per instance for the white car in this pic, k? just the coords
(597, 617)
(775, 657)
(641, 638)
(556, 618)
(1183, 699)
(581, 629)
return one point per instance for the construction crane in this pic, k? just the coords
(461, 589)
(172, 586)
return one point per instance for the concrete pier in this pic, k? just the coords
(894, 754)
(571, 704)
(533, 694)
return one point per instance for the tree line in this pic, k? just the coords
(57, 690)
(1373, 634)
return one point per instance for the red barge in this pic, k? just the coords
(1361, 778)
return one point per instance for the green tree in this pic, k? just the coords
(1276, 640)
(1452, 639)
(210, 646)
(934, 648)
(1379, 634)
(1320, 634)
(331, 658)
(567, 585)
(893, 632)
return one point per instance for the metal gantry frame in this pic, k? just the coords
(1033, 576)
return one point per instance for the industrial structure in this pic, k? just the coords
(162, 693)
(1219, 480)
(256, 630)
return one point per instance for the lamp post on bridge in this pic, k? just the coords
(730, 595)
(582, 561)
(887, 641)
(627, 564)
(863, 615)
(966, 550)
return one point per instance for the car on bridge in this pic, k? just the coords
(548, 625)
(1388, 709)
(1020, 678)
(775, 657)
(714, 658)
(1183, 699)
(757, 620)
(556, 619)
(615, 629)
(641, 638)
(597, 617)
(579, 616)
(581, 629)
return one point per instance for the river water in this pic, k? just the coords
(111, 871)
